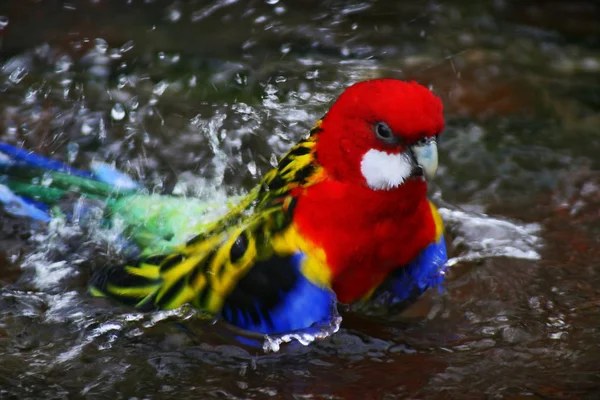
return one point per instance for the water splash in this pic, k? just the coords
(305, 337)
(483, 236)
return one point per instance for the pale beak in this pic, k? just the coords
(426, 157)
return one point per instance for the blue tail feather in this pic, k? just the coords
(107, 174)
(19, 207)
(11, 156)
(31, 159)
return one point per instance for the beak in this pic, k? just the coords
(426, 157)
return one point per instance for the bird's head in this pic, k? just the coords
(381, 133)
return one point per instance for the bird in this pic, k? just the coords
(344, 217)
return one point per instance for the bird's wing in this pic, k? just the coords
(247, 267)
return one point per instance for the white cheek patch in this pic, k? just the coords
(384, 171)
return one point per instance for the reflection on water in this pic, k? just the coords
(201, 99)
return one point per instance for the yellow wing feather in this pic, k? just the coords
(205, 269)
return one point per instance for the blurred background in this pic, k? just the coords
(202, 97)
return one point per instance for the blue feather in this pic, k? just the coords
(39, 205)
(35, 160)
(301, 306)
(425, 271)
(107, 174)
(19, 207)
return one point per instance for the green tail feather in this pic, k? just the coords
(49, 187)
(155, 223)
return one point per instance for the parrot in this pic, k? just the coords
(344, 217)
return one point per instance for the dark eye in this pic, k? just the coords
(385, 134)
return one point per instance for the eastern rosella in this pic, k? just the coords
(344, 216)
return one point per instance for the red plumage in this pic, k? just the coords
(366, 234)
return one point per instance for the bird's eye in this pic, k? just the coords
(385, 134)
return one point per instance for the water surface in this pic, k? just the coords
(202, 97)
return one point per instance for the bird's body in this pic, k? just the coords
(344, 213)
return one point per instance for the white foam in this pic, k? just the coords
(484, 236)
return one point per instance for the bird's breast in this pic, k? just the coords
(364, 234)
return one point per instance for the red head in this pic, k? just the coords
(380, 133)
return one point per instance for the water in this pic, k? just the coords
(192, 97)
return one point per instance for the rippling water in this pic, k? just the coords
(201, 98)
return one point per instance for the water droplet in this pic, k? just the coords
(31, 96)
(271, 1)
(72, 151)
(133, 103)
(102, 129)
(115, 54)
(273, 160)
(285, 48)
(252, 168)
(304, 95)
(160, 88)
(24, 128)
(270, 89)
(11, 128)
(558, 335)
(239, 79)
(118, 112)
(173, 14)
(46, 180)
(590, 64)
(248, 44)
(122, 81)
(101, 45)
(260, 19)
(126, 47)
(312, 74)
(280, 79)
(86, 128)
(63, 64)
(18, 75)
(323, 98)
(3, 21)
(193, 81)
(279, 10)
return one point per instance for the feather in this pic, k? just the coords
(407, 283)
(18, 206)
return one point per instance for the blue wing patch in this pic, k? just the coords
(406, 284)
(275, 297)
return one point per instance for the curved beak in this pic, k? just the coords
(426, 157)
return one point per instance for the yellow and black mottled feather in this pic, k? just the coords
(207, 268)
